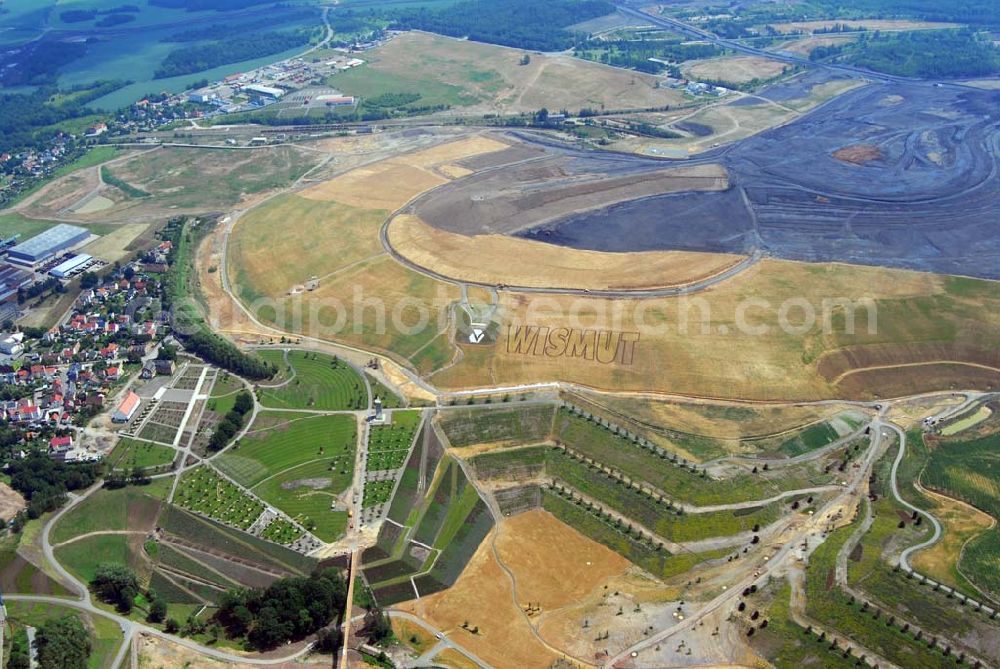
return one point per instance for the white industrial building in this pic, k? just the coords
(68, 268)
(266, 92)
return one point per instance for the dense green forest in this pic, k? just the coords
(524, 24)
(924, 54)
(37, 63)
(207, 56)
(287, 610)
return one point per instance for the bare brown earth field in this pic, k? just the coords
(11, 502)
(482, 596)
(553, 564)
(867, 24)
(496, 259)
(734, 69)
(858, 154)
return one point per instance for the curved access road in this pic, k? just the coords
(904, 557)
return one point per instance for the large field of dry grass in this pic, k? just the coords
(734, 69)
(476, 77)
(497, 259)
(932, 332)
(860, 24)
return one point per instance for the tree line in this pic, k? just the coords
(287, 610)
(524, 24)
(45, 482)
(232, 422)
(233, 50)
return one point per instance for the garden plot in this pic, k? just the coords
(164, 422)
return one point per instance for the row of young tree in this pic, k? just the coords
(232, 422)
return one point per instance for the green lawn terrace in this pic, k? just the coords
(442, 529)
(619, 501)
(310, 380)
(130, 454)
(300, 463)
(638, 460)
(205, 491)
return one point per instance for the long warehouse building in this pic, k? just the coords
(67, 267)
(43, 246)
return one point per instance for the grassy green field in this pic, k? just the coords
(277, 442)
(81, 558)
(223, 395)
(316, 381)
(300, 463)
(786, 644)
(12, 223)
(202, 490)
(115, 510)
(969, 470)
(131, 453)
(105, 634)
(656, 560)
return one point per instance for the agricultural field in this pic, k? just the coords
(473, 77)
(314, 381)
(132, 453)
(203, 491)
(301, 464)
(173, 178)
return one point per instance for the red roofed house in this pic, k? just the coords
(126, 409)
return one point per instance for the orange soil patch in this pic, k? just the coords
(11, 502)
(392, 183)
(482, 596)
(859, 154)
(554, 565)
(806, 46)
(498, 259)
(961, 522)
